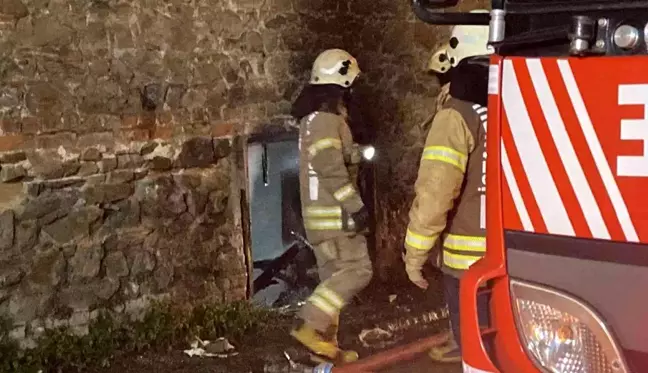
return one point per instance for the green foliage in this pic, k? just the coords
(59, 350)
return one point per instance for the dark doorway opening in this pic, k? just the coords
(284, 268)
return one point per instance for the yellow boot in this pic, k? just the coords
(348, 356)
(446, 353)
(322, 345)
(332, 333)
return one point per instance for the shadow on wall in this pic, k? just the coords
(394, 95)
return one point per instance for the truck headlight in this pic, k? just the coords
(562, 334)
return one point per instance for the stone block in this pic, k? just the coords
(107, 164)
(12, 172)
(116, 265)
(6, 229)
(105, 193)
(25, 307)
(159, 163)
(47, 270)
(144, 262)
(196, 152)
(91, 154)
(87, 169)
(120, 177)
(10, 274)
(49, 165)
(62, 183)
(129, 161)
(13, 157)
(123, 214)
(26, 235)
(74, 225)
(79, 296)
(48, 202)
(13, 8)
(86, 262)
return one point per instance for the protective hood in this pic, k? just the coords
(329, 98)
(333, 99)
(469, 80)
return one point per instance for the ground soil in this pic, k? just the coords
(372, 308)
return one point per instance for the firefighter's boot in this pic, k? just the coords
(348, 356)
(321, 345)
(446, 353)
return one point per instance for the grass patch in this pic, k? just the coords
(59, 350)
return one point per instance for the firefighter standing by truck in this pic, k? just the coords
(334, 213)
(449, 202)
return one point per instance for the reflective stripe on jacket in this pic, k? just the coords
(328, 191)
(450, 190)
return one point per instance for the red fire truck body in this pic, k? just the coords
(566, 189)
(567, 166)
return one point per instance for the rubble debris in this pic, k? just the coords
(220, 348)
(376, 338)
(295, 365)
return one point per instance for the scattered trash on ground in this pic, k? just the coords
(295, 363)
(220, 348)
(392, 298)
(425, 318)
(376, 338)
(392, 332)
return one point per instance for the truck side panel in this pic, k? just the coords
(575, 135)
(574, 160)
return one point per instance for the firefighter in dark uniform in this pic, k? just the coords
(449, 203)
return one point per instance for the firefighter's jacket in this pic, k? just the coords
(328, 192)
(450, 190)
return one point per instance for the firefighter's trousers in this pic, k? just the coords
(344, 269)
(451, 290)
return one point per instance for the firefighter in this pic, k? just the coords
(448, 206)
(335, 216)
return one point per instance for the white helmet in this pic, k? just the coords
(439, 62)
(335, 66)
(468, 41)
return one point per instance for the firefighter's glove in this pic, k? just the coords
(359, 220)
(414, 267)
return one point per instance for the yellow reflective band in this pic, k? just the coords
(322, 144)
(344, 192)
(323, 305)
(465, 243)
(330, 296)
(445, 154)
(419, 241)
(324, 212)
(461, 262)
(323, 224)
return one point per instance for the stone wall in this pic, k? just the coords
(115, 228)
(112, 189)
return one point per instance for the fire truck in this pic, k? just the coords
(566, 263)
(566, 175)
